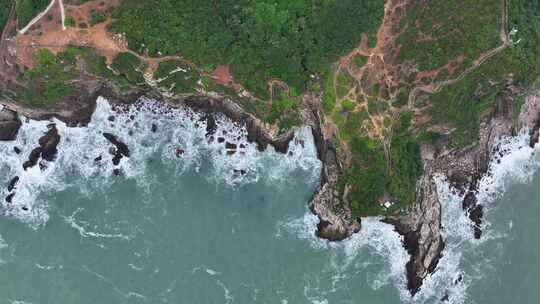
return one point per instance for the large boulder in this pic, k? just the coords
(9, 125)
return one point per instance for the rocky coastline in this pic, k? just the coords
(420, 226)
(463, 168)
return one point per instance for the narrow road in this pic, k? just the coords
(37, 18)
(42, 14)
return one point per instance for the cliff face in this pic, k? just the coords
(420, 226)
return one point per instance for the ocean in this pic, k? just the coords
(187, 221)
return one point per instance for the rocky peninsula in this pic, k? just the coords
(397, 105)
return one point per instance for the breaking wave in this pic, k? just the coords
(513, 162)
(152, 130)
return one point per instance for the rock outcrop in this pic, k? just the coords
(47, 149)
(9, 125)
(421, 231)
(335, 221)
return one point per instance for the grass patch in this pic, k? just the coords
(178, 77)
(28, 9)
(5, 6)
(47, 81)
(130, 67)
(448, 29)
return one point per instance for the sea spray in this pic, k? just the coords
(378, 239)
(513, 161)
(152, 130)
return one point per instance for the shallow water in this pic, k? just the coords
(189, 230)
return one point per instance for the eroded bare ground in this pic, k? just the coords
(48, 32)
(381, 69)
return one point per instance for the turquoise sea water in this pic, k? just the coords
(190, 230)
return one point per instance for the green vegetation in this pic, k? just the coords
(284, 112)
(329, 97)
(130, 67)
(373, 177)
(93, 61)
(448, 29)
(5, 6)
(348, 105)
(463, 103)
(98, 17)
(70, 22)
(47, 82)
(283, 39)
(178, 77)
(28, 9)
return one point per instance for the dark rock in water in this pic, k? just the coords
(475, 211)
(47, 149)
(33, 158)
(330, 234)
(231, 152)
(239, 172)
(121, 147)
(469, 201)
(179, 152)
(476, 214)
(42, 166)
(211, 125)
(220, 140)
(230, 146)
(116, 159)
(111, 118)
(242, 146)
(9, 125)
(446, 298)
(9, 198)
(17, 150)
(24, 208)
(154, 128)
(13, 183)
(117, 172)
(98, 159)
(49, 143)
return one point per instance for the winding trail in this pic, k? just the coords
(434, 88)
(37, 18)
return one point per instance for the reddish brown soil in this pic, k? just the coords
(48, 33)
(222, 75)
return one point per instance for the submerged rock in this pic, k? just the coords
(13, 183)
(120, 149)
(47, 149)
(179, 152)
(475, 212)
(49, 143)
(211, 125)
(9, 198)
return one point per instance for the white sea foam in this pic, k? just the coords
(516, 163)
(376, 238)
(177, 128)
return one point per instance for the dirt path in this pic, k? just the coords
(434, 88)
(37, 18)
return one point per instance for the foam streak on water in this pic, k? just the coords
(177, 129)
(514, 161)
